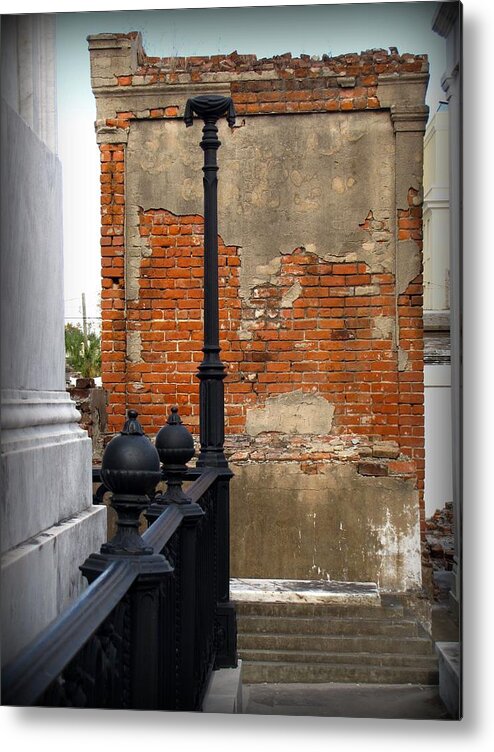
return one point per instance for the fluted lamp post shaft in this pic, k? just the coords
(211, 371)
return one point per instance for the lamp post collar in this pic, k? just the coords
(211, 106)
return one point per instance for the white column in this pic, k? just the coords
(49, 524)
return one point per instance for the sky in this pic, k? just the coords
(331, 28)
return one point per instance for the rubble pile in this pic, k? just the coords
(439, 542)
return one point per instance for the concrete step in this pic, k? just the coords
(334, 644)
(330, 611)
(318, 632)
(304, 591)
(426, 661)
(449, 654)
(321, 625)
(283, 673)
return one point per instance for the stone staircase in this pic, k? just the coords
(315, 631)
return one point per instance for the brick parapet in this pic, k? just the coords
(140, 87)
(350, 69)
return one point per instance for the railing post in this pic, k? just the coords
(226, 620)
(131, 470)
(175, 447)
(212, 371)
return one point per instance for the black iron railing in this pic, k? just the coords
(134, 640)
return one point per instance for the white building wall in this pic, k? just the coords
(436, 214)
(48, 522)
(437, 374)
(438, 471)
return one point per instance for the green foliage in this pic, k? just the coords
(82, 359)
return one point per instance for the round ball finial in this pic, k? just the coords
(174, 441)
(130, 463)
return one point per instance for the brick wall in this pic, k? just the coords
(311, 327)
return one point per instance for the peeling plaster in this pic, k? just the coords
(402, 360)
(384, 328)
(408, 264)
(292, 176)
(291, 295)
(377, 248)
(396, 560)
(292, 413)
(134, 347)
(264, 273)
(245, 333)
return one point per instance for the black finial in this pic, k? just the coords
(174, 418)
(175, 446)
(132, 425)
(130, 468)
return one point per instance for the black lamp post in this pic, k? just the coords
(211, 371)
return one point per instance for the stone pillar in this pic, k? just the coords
(405, 99)
(48, 522)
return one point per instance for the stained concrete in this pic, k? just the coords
(224, 693)
(449, 654)
(332, 525)
(401, 701)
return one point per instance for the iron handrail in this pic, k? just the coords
(32, 671)
(160, 532)
(203, 483)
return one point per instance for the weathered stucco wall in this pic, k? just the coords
(335, 524)
(320, 264)
(305, 181)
